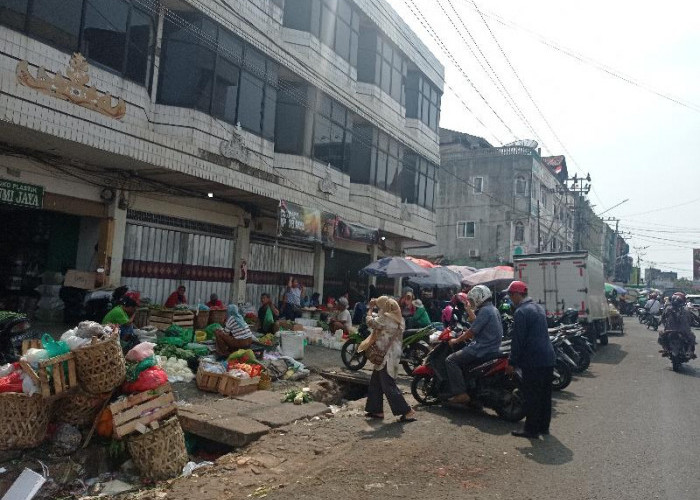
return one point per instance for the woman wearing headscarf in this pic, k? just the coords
(387, 333)
(235, 335)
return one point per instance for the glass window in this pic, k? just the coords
(226, 91)
(140, 46)
(297, 14)
(290, 122)
(104, 32)
(466, 229)
(478, 185)
(13, 13)
(520, 185)
(332, 133)
(519, 231)
(269, 112)
(60, 27)
(380, 180)
(342, 40)
(250, 102)
(422, 100)
(361, 158)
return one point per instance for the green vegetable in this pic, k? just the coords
(297, 396)
(171, 351)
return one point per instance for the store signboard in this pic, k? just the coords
(19, 193)
(356, 232)
(696, 264)
(308, 224)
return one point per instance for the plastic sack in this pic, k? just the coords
(176, 341)
(140, 352)
(11, 383)
(69, 333)
(33, 355)
(269, 319)
(75, 343)
(198, 349)
(149, 379)
(213, 367)
(211, 329)
(29, 387)
(243, 356)
(177, 331)
(133, 370)
(7, 369)
(238, 373)
(54, 348)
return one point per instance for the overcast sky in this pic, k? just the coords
(635, 144)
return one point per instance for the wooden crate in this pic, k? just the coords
(139, 412)
(206, 381)
(54, 377)
(142, 317)
(163, 318)
(31, 344)
(225, 384)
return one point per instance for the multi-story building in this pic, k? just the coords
(223, 145)
(494, 202)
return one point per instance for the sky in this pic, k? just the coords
(636, 145)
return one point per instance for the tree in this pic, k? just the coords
(684, 284)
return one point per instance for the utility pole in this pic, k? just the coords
(639, 260)
(578, 187)
(614, 242)
(539, 229)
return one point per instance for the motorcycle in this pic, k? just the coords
(415, 348)
(563, 364)
(695, 317)
(677, 349)
(487, 381)
(653, 321)
(99, 302)
(14, 328)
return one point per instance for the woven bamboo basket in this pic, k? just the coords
(79, 409)
(160, 454)
(23, 420)
(217, 316)
(101, 366)
(265, 382)
(201, 320)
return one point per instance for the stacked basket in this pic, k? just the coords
(23, 420)
(101, 366)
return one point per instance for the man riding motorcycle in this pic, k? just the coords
(487, 332)
(677, 318)
(653, 305)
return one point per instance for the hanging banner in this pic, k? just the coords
(356, 232)
(308, 224)
(18, 193)
(696, 264)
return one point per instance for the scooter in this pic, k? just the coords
(678, 351)
(487, 382)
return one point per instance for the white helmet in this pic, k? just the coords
(479, 294)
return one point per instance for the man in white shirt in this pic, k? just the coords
(653, 305)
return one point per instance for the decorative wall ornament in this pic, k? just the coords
(73, 88)
(235, 149)
(326, 185)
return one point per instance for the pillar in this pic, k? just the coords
(319, 268)
(110, 246)
(373, 254)
(241, 257)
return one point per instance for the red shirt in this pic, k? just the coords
(175, 299)
(215, 305)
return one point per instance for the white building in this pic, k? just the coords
(164, 156)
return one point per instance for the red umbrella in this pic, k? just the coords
(491, 276)
(422, 262)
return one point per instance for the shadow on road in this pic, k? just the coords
(548, 451)
(564, 395)
(688, 371)
(381, 430)
(610, 354)
(479, 419)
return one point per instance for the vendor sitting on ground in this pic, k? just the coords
(123, 315)
(176, 298)
(235, 335)
(342, 319)
(264, 323)
(214, 302)
(420, 318)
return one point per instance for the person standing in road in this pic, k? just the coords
(532, 352)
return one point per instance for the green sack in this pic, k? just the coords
(211, 329)
(133, 370)
(186, 334)
(53, 347)
(176, 341)
(269, 320)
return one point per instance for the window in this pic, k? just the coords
(466, 229)
(290, 122)
(519, 231)
(115, 34)
(380, 63)
(335, 23)
(332, 139)
(419, 179)
(543, 195)
(422, 100)
(225, 78)
(520, 185)
(478, 185)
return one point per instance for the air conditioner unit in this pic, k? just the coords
(474, 253)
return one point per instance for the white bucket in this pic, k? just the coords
(292, 344)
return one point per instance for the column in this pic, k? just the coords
(111, 242)
(319, 268)
(373, 254)
(241, 257)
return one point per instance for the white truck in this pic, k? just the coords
(566, 280)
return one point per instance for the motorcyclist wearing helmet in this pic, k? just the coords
(677, 318)
(487, 332)
(653, 305)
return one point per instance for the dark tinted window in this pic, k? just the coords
(225, 103)
(250, 105)
(140, 46)
(332, 133)
(58, 25)
(297, 14)
(290, 123)
(13, 13)
(104, 32)
(418, 181)
(422, 100)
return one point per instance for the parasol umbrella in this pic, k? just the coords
(421, 262)
(394, 267)
(609, 288)
(438, 277)
(499, 276)
(463, 271)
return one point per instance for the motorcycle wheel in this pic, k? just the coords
(584, 359)
(603, 339)
(513, 408)
(562, 376)
(352, 359)
(414, 357)
(422, 390)
(675, 364)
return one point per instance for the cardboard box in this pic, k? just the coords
(80, 279)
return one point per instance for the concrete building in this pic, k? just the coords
(656, 278)
(223, 145)
(494, 202)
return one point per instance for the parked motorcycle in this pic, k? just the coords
(487, 381)
(678, 351)
(415, 348)
(14, 327)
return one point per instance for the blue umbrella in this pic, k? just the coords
(438, 277)
(394, 267)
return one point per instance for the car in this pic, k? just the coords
(693, 301)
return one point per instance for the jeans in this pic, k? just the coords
(454, 364)
(380, 385)
(290, 312)
(537, 391)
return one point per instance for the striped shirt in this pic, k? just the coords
(236, 331)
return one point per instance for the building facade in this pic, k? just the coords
(223, 145)
(494, 202)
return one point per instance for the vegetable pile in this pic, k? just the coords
(298, 396)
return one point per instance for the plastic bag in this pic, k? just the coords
(149, 379)
(11, 383)
(243, 356)
(213, 367)
(176, 341)
(238, 373)
(140, 352)
(75, 343)
(29, 387)
(211, 329)
(198, 349)
(185, 334)
(133, 370)
(7, 369)
(54, 348)
(33, 355)
(269, 319)
(69, 333)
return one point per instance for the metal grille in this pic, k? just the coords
(186, 225)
